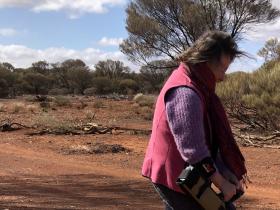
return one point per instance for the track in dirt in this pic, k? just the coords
(36, 178)
(45, 180)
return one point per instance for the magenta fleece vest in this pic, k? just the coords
(163, 162)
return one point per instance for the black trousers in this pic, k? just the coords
(178, 201)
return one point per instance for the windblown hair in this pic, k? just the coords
(209, 47)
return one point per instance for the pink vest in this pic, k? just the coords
(163, 162)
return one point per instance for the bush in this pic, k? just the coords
(146, 112)
(254, 98)
(29, 98)
(58, 91)
(51, 122)
(18, 107)
(62, 101)
(31, 108)
(3, 108)
(102, 85)
(98, 104)
(90, 91)
(45, 104)
(145, 100)
(81, 104)
(137, 96)
(128, 86)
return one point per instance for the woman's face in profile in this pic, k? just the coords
(219, 68)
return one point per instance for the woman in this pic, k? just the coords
(190, 125)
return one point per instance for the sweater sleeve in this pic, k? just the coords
(185, 117)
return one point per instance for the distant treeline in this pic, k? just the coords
(75, 77)
(252, 98)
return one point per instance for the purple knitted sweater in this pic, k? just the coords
(185, 117)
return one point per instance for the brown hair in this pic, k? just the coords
(209, 47)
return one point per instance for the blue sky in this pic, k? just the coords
(55, 30)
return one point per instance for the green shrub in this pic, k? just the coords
(102, 85)
(128, 86)
(254, 98)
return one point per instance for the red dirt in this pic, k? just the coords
(36, 173)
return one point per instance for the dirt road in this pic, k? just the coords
(37, 174)
(43, 172)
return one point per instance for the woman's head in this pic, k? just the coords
(218, 49)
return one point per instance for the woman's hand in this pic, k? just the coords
(228, 189)
(241, 185)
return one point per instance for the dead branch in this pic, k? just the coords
(91, 128)
(11, 126)
(258, 141)
(54, 132)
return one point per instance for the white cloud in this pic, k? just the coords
(246, 64)
(7, 32)
(22, 57)
(75, 8)
(15, 3)
(276, 3)
(263, 32)
(110, 41)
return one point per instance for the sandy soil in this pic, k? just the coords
(38, 172)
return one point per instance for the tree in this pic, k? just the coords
(61, 72)
(8, 66)
(111, 69)
(271, 50)
(80, 78)
(41, 67)
(36, 83)
(8, 80)
(167, 27)
(4, 88)
(102, 85)
(153, 76)
(128, 86)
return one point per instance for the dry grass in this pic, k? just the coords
(32, 108)
(146, 112)
(145, 100)
(98, 104)
(48, 121)
(3, 107)
(89, 115)
(62, 101)
(18, 107)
